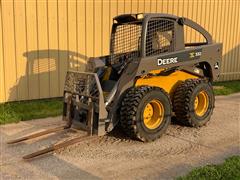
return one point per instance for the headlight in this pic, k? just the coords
(139, 16)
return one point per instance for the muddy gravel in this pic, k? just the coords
(116, 156)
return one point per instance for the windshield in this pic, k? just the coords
(125, 41)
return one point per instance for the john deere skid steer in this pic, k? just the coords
(151, 75)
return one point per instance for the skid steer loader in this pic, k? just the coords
(150, 75)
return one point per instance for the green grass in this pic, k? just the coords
(230, 169)
(26, 110)
(226, 88)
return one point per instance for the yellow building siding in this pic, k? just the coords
(41, 40)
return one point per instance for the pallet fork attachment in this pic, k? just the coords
(54, 147)
(35, 135)
(68, 125)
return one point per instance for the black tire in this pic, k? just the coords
(183, 102)
(131, 112)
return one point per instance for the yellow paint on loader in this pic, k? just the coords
(107, 74)
(153, 114)
(201, 103)
(168, 83)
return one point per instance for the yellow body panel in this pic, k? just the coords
(168, 83)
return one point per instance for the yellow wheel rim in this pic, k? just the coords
(201, 103)
(153, 114)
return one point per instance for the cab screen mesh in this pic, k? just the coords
(160, 36)
(125, 41)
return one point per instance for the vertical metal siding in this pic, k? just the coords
(40, 40)
(2, 65)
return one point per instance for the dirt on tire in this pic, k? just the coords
(116, 156)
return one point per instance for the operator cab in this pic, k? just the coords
(129, 42)
(137, 36)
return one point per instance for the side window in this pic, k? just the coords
(192, 36)
(160, 37)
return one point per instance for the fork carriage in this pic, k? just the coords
(84, 102)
